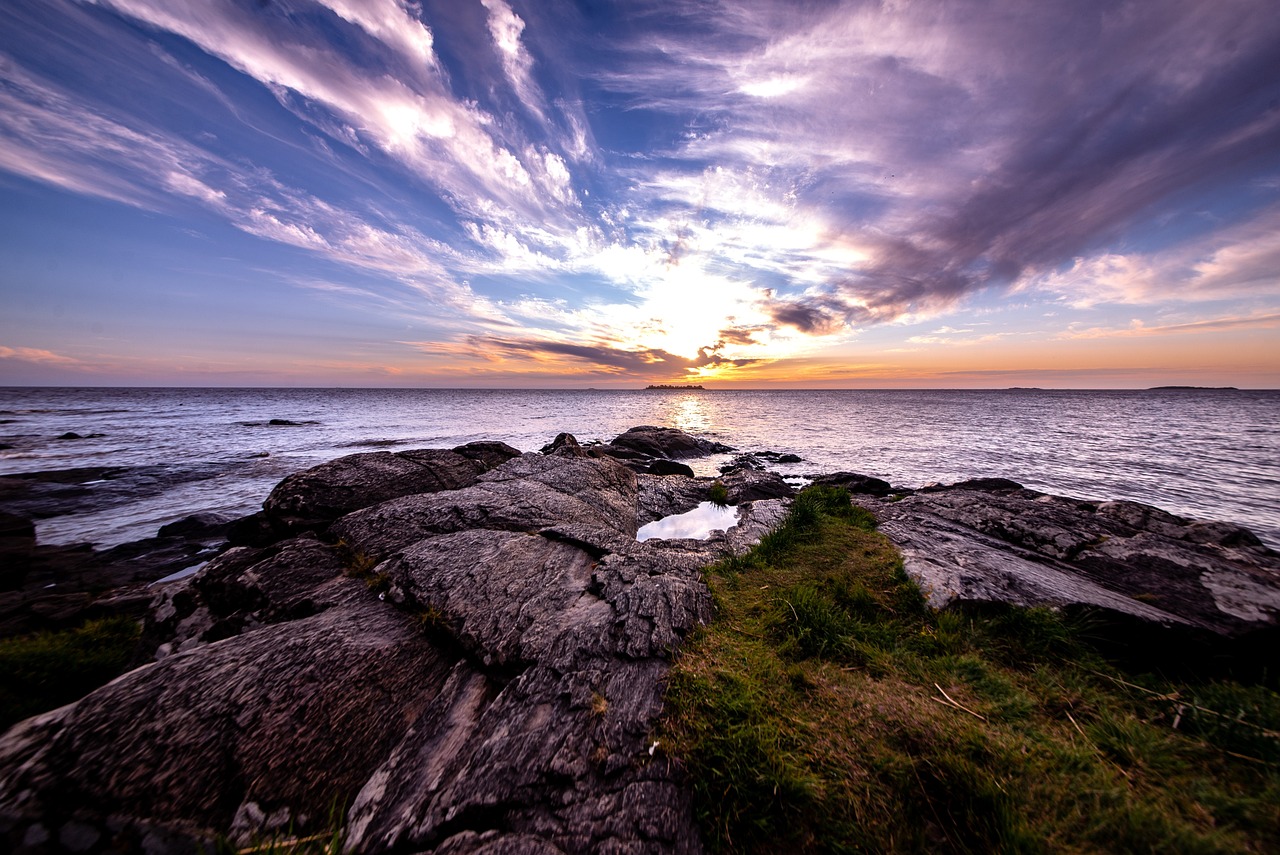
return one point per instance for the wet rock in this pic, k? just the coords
(855, 483)
(666, 442)
(669, 467)
(565, 445)
(71, 435)
(198, 526)
(491, 454)
(747, 485)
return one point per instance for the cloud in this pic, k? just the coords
(1138, 329)
(412, 117)
(524, 355)
(39, 356)
(1235, 261)
(505, 26)
(963, 146)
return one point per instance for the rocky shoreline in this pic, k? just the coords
(465, 648)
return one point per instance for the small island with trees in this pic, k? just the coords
(663, 387)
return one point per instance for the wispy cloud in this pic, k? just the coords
(39, 356)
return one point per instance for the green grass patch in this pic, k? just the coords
(43, 671)
(828, 709)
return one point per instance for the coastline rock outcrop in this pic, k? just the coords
(490, 685)
(993, 541)
(465, 649)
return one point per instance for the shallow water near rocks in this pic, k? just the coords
(696, 524)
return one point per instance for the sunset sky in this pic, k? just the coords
(606, 194)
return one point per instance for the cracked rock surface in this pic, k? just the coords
(991, 540)
(475, 668)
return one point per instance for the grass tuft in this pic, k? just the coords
(43, 671)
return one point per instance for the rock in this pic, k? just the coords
(527, 493)
(746, 485)
(565, 445)
(71, 435)
(499, 696)
(319, 495)
(246, 588)
(17, 543)
(491, 454)
(199, 526)
(285, 423)
(988, 485)
(669, 467)
(855, 483)
(989, 540)
(666, 442)
(742, 461)
(297, 715)
(661, 496)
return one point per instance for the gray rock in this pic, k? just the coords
(661, 496)
(500, 698)
(526, 493)
(321, 494)
(666, 442)
(748, 485)
(295, 715)
(993, 541)
(855, 483)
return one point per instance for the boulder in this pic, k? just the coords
(669, 467)
(317, 496)
(747, 485)
(197, 527)
(990, 540)
(565, 445)
(526, 493)
(491, 454)
(666, 442)
(855, 483)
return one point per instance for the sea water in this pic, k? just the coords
(1209, 454)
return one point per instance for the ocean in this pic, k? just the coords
(1208, 454)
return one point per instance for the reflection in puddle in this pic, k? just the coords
(697, 523)
(181, 574)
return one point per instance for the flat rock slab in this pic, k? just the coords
(993, 541)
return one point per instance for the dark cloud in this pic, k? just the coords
(645, 362)
(738, 335)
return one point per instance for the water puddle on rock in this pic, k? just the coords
(697, 523)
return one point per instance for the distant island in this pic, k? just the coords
(665, 388)
(1195, 388)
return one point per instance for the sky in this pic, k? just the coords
(747, 193)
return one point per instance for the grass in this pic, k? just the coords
(828, 709)
(43, 671)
